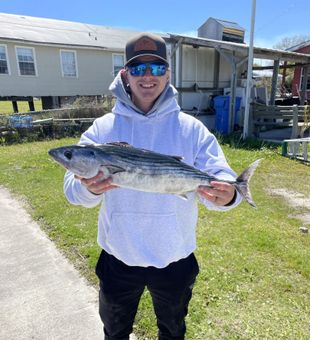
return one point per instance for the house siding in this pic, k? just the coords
(95, 73)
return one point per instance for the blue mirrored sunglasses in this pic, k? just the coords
(138, 69)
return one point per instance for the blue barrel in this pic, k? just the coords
(221, 105)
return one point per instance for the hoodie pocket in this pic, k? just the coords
(142, 239)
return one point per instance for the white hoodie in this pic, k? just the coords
(150, 229)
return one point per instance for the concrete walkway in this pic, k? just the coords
(41, 295)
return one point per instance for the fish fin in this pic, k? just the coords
(125, 144)
(242, 182)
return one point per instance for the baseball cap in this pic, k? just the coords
(146, 44)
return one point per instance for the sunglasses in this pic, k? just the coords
(138, 69)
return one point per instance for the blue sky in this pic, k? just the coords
(274, 19)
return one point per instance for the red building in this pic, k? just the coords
(298, 73)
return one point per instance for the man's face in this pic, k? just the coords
(146, 89)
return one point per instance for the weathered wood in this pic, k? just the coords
(43, 121)
(295, 122)
(31, 105)
(285, 116)
(15, 106)
(216, 71)
(274, 81)
(304, 85)
(62, 121)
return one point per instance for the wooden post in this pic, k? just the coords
(274, 81)
(216, 70)
(232, 103)
(283, 79)
(31, 105)
(295, 122)
(15, 106)
(304, 85)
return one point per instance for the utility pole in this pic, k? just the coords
(249, 75)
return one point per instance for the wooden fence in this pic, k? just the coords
(47, 124)
(264, 118)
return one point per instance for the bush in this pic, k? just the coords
(81, 107)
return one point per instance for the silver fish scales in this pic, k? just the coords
(143, 170)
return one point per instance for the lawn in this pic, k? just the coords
(254, 263)
(7, 108)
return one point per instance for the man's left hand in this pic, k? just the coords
(221, 193)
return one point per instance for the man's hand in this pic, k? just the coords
(97, 185)
(221, 193)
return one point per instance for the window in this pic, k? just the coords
(68, 63)
(118, 63)
(26, 61)
(4, 67)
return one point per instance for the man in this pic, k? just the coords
(148, 239)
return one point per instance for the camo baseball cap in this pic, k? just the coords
(146, 44)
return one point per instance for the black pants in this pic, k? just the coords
(121, 287)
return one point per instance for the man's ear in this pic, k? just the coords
(124, 76)
(125, 81)
(168, 75)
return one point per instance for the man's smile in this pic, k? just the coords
(147, 86)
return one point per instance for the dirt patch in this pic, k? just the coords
(297, 200)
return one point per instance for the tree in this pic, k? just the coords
(287, 42)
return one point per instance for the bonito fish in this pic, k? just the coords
(143, 170)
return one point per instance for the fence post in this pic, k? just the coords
(295, 122)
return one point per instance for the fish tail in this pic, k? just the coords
(242, 182)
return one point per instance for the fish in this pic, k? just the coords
(143, 170)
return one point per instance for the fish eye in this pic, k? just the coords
(68, 154)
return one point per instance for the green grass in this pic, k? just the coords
(6, 107)
(254, 263)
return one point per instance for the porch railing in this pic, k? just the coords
(264, 118)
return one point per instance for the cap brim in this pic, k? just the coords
(146, 54)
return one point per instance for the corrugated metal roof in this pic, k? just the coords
(228, 24)
(259, 52)
(51, 31)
